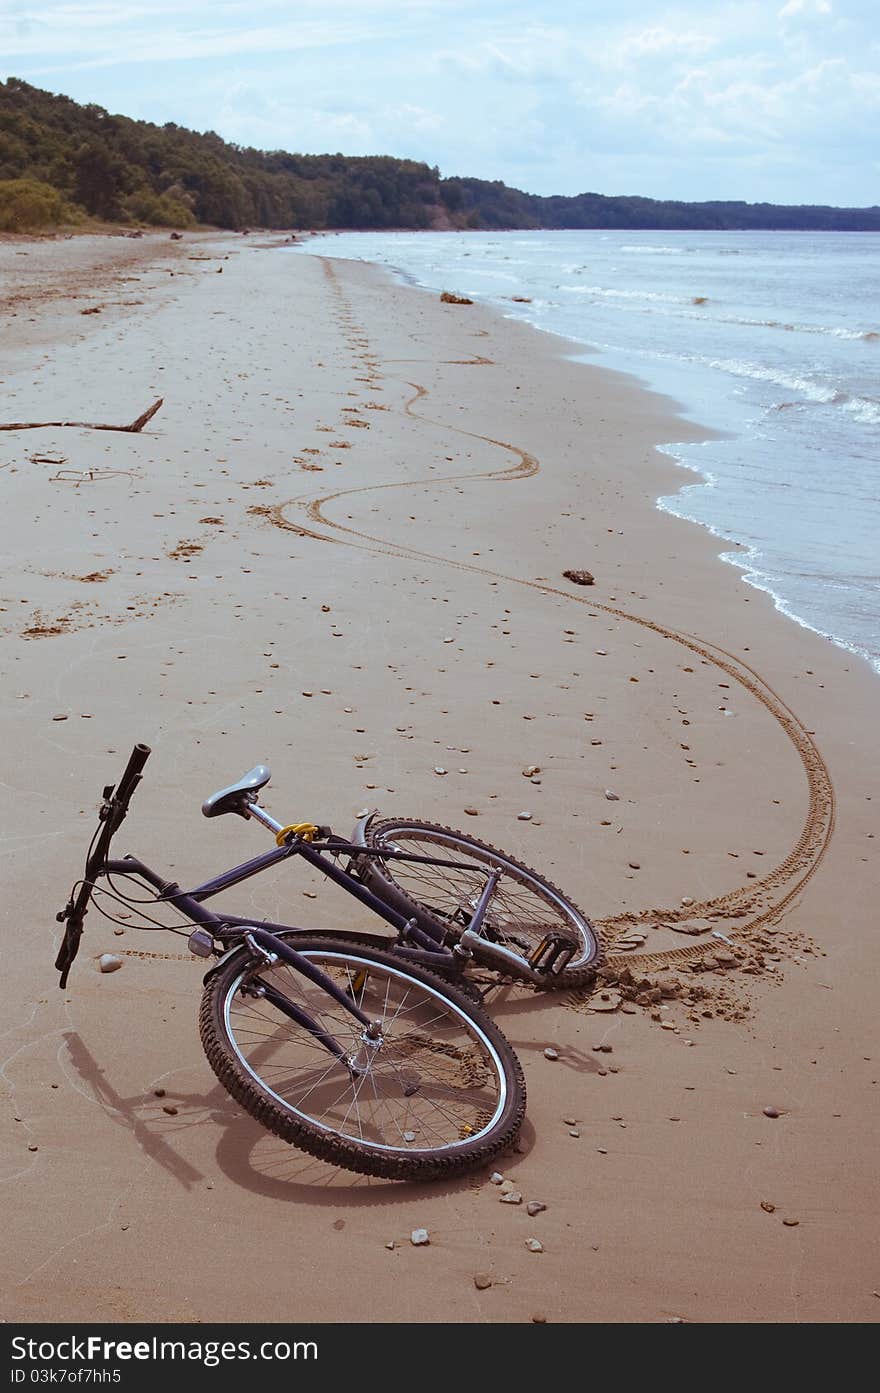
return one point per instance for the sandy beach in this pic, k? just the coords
(338, 549)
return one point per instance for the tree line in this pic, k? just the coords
(63, 162)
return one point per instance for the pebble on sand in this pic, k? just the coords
(419, 1237)
(108, 962)
(534, 1245)
(550, 1053)
(482, 1281)
(535, 1207)
(771, 1112)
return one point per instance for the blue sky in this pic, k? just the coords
(765, 100)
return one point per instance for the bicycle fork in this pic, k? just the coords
(270, 949)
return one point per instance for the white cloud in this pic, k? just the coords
(797, 7)
(735, 98)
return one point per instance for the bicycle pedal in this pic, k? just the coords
(553, 954)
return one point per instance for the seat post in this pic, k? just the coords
(254, 810)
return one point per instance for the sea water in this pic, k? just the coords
(770, 338)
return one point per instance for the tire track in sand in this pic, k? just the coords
(759, 903)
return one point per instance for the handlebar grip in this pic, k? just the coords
(131, 777)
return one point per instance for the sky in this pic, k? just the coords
(764, 100)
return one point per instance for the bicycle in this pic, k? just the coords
(358, 1055)
(488, 910)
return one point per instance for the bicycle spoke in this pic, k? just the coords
(424, 1084)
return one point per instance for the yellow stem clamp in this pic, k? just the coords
(305, 830)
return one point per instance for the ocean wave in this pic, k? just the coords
(655, 251)
(757, 372)
(606, 293)
(863, 409)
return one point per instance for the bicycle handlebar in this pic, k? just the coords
(113, 811)
(132, 774)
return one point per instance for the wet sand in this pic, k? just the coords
(338, 548)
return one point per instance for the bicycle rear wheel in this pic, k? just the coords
(441, 1093)
(526, 913)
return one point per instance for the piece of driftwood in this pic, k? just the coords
(135, 426)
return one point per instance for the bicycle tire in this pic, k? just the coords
(443, 1095)
(524, 908)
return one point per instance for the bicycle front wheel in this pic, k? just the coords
(527, 914)
(437, 1089)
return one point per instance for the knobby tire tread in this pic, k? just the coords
(398, 898)
(344, 1152)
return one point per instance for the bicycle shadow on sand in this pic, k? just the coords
(248, 1156)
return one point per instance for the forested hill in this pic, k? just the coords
(60, 161)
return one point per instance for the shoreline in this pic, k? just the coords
(338, 549)
(681, 408)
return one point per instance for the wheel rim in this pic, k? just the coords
(521, 913)
(436, 1083)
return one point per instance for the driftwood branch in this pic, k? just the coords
(135, 426)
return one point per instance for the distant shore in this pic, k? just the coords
(339, 548)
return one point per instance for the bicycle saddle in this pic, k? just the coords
(236, 797)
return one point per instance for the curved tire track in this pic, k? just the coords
(764, 900)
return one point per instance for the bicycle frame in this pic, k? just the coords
(430, 949)
(414, 942)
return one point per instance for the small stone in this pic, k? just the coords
(512, 1197)
(33, 1147)
(524, 817)
(767, 1207)
(409, 1136)
(574, 1132)
(570, 1121)
(391, 1246)
(534, 1245)
(507, 1186)
(531, 770)
(634, 866)
(419, 1237)
(602, 1150)
(496, 1178)
(108, 962)
(667, 1025)
(550, 1053)
(482, 1281)
(438, 769)
(538, 1318)
(535, 1207)
(605, 1001)
(159, 1092)
(611, 796)
(170, 1109)
(791, 1223)
(472, 812)
(59, 718)
(771, 1112)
